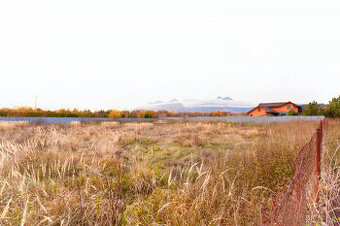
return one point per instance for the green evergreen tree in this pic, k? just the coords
(333, 108)
(313, 109)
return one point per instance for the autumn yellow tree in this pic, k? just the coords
(115, 114)
(218, 113)
(139, 114)
(125, 114)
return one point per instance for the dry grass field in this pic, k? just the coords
(159, 173)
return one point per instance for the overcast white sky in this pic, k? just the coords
(115, 54)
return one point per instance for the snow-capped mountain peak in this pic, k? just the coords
(224, 98)
(220, 103)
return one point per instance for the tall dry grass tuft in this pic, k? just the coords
(112, 124)
(12, 124)
(75, 123)
(139, 125)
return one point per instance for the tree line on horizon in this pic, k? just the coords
(75, 113)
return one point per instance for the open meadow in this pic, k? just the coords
(146, 173)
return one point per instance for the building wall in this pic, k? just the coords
(259, 111)
(284, 108)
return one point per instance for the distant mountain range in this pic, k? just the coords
(225, 104)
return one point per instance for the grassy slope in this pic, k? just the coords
(171, 173)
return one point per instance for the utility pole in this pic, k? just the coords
(36, 102)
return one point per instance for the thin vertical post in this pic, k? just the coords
(318, 159)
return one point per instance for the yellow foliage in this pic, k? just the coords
(115, 114)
